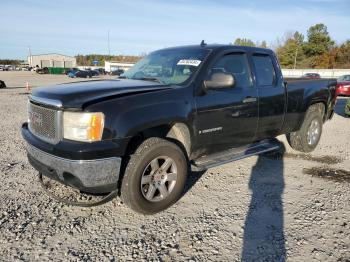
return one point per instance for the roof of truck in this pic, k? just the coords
(221, 47)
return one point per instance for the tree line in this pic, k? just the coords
(87, 60)
(14, 62)
(316, 50)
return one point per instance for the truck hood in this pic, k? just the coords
(79, 94)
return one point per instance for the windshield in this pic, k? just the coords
(344, 78)
(171, 67)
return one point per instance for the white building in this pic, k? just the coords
(112, 66)
(52, 60)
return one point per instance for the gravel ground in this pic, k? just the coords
(18, 79)
(266, 208)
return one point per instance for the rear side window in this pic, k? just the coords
(265, 72)
(237, 65)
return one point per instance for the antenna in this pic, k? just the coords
(203, 43)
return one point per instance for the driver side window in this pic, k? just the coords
(235, 64)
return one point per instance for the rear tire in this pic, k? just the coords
(307, 138)
(154, 177)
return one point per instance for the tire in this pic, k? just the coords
(301, 140)
(134, 189)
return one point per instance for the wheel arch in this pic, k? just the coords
(177, 132)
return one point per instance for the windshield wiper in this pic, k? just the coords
(153, 79)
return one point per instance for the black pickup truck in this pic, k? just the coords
(178, 108)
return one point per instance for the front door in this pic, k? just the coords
(227, 117)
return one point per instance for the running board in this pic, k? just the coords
(216, 159)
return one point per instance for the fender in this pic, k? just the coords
(318, 92)
(129, 115)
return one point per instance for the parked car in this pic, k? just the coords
(5, 68)
(43, 70)
(33, 69)
(101, 71)
(311, 75)
(81, 73)
(117, 72)
(71, 70)
(137, 135)
(343, 85)
(94, 72)
(72, 74)
(2, 84)
(347, 108)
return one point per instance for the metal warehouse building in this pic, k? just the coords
(52, 60)
(111, 65)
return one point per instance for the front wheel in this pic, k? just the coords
(155, 176)
(307, 138)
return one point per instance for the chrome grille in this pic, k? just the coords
(43, 122)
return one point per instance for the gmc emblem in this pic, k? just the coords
(35, 118)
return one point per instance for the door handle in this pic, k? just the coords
(249, 99)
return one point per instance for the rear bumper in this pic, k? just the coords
(343, 91)
(93, 176)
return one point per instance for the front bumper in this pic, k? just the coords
(93, 176)
(78, 150)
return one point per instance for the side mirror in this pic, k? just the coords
(220, 81)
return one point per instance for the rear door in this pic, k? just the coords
(271, 92)
(228, 117)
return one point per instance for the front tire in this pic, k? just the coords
(307, 138)
(154, 177)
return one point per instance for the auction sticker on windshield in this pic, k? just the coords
(191, 62)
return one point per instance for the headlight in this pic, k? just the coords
(86, 127)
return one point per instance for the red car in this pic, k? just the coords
(343, 86)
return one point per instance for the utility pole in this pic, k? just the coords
(109, 49)
(30, 56)
(295, 58)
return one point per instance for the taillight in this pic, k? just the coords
(343, 86)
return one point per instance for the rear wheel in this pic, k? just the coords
(307, 138)
(155, 176)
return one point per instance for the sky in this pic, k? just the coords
(136, 27)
